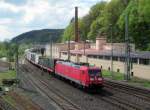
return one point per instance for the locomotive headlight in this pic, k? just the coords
(92, 79)
(99, 79)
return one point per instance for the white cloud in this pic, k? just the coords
(35, 10)
(5, 21)
(4, 33)
(7, 33)
(37, 14)
(8, 6)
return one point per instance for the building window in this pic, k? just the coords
(94, 56)
(115, 58)
(107, 57)
(100, 57)
(122, 59)
(144, 61)
(64, 53)
(73, 54)
(79, 55)
(90, 56)
(134, 60)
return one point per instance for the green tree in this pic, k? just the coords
(69, 32)
(96, 28)
(108, 15)
(103, 14)
(84, 23)
(139, 20)
(112, 12)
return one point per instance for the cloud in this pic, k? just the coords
(4, 33)
(8, 6)
(5, 21)
(38, 14)
(35, 10)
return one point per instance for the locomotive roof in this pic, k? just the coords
(69, 64)
(76, 65)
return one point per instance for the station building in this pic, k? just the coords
(99, 54)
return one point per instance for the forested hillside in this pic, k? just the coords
(105, 14)
(39, 36)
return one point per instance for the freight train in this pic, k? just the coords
(82, 74)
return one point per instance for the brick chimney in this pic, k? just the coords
(76, 25)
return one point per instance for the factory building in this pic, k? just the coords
(99, 54)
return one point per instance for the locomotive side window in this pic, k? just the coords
(95, 72)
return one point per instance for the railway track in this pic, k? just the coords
(5, 106)
(116, 101)
(119, 102)
(71, 106)
(51, 93)
(144, 94)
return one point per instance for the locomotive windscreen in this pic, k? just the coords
(95, 72)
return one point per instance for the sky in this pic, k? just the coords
(19, 16)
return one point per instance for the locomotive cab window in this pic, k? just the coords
(94, 72)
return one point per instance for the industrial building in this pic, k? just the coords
(99, 54)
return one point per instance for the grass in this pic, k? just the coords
(134, 80)
(10, 74)
(141, 82)
(9, 99)
(116, 75)
(7, 75)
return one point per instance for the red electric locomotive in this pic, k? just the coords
(81, 74)
(84, 75)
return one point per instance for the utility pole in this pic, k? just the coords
(84, 45)
(17, 61)
(127, 47)
(69, 49)
(111, 32)
(51, 48)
